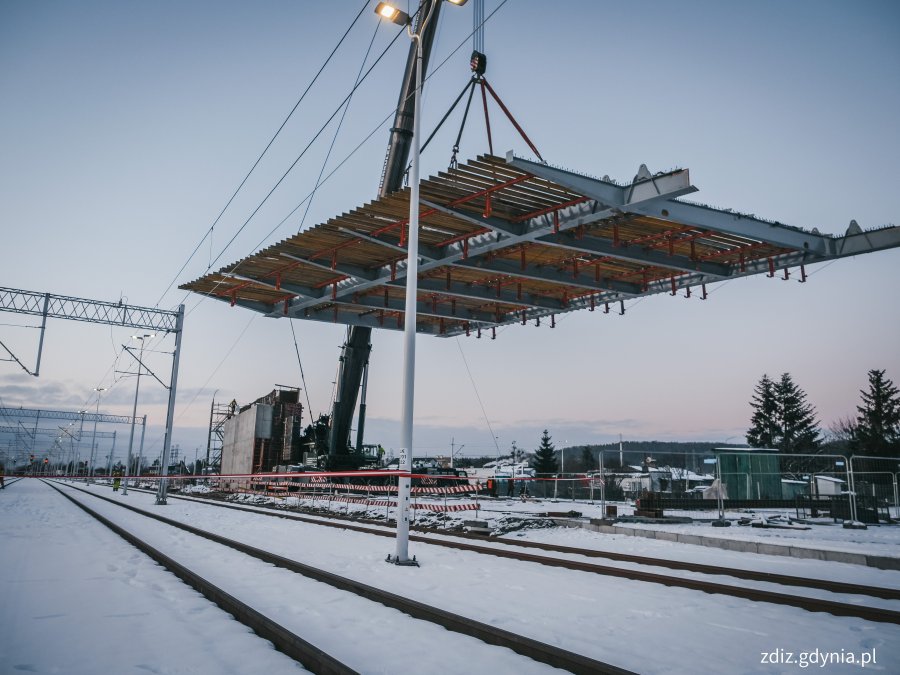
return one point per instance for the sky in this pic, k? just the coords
(128, 126)
(53, 614)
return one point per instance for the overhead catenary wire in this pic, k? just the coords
(368, 137)
(478, 396)
(300, 156)
(433, 72)
(337, 130)
(334, 138)
(302, 376)
(262, 154)
(330, 174)
(202, 387)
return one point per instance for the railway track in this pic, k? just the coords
(810, 604)
(303, 651)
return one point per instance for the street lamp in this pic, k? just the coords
(142, 338)
(99, 391)
(398, 16)
(401, 553)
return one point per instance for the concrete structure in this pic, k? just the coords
(263, 434)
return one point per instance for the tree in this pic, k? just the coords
(587, 459)
(877, 429)
(764, 422)
(782, 418)
(840, 435)
(799, 429)
(544, 461)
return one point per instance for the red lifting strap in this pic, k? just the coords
(511, 119)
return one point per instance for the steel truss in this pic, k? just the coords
(67, 415)
(506, 241)
(49, 305)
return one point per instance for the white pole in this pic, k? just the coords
(170, 412)
(721, 499)
(112, 453)
(894, 479)
(94, 441)
(137, 387)
(401, 553)
(851, 484)
(602, 488)
(137, 471)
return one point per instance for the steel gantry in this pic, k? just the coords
(11, 415)
(49, 305)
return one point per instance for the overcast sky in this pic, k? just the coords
(127, 126)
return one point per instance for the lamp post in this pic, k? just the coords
(99, 391)
(386, 11)
(454, 451)
(137, 386)
(78, 445)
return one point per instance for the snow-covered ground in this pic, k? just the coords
(78, 600)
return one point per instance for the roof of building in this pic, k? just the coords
(510, 240)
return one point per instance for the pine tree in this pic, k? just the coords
(764, 424)
(877, 430)
(799, 429)
(587, 459)
(544, 461)
(782, 418)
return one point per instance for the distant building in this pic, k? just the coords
(264, 434)
(790, 489)
(826, 486)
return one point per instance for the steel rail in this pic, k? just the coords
(284, 640)
(538, 651)
(746, 575)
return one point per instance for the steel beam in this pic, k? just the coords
(422, 307)
(664, 185)
(302, 291)
(82, 309)
(692, 215)
(426, 252)
(64, 415)
(483, 293)
(52, 432)
(549, 274)
(353, 271)
(636, 254)
(854, 243)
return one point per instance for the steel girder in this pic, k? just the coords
(81, 309)
(67, 415)
(593, 243)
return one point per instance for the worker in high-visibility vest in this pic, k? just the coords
(117, 480)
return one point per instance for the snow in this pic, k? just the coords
(77, 599)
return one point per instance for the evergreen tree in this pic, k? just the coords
(763, 430)
(877, 429)
(587, 459)
(799, 429)
(544, 461)
(782, 418)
